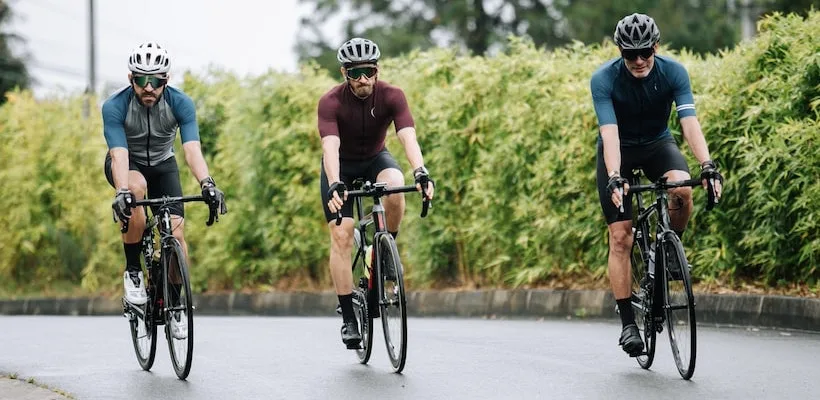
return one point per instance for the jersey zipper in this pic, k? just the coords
(364, 130)
(148, 147)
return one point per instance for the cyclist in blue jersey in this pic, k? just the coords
(140, 122)
(633, 96)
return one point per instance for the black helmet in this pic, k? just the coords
(637, 31)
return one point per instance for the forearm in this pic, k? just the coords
(330, 158)
(195, 160)
(412, 150)
(695, 139)
(119, 167)
(612, 148)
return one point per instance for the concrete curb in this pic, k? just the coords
(742, 310)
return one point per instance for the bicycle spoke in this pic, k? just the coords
(679, 307)
(393, 305)
(178, 313)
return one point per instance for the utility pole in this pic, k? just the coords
(92, 61)
(92, 56)
(748, 15)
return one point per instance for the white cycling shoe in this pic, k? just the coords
(179, 325)
(134, 288)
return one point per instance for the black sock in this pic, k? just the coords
(680, 234)
(132, 256)
(394, 234)
(625, 310)
(346, 301)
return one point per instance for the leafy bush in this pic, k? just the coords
(510, 140)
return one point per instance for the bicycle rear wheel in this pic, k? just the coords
(642, 295)
(178, 312)
(143, 332)
(394, 304)
(365, 323)
(680, 306)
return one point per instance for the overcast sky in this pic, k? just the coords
(246, 36)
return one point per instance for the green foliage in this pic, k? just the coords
(482, 26)
(510, 140)
(13, 71)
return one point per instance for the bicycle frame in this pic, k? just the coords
(642, 231)
(377, 217)
(156, 269)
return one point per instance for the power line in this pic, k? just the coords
(117, 29)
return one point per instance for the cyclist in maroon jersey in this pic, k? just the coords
(353, 121)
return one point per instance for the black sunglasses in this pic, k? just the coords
(143, 81)
(356, 73)
(633, 54)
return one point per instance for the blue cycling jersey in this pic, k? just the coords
(641, 107)
(148, 132)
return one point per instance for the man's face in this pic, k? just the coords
(362, 78)
(148, 87)
(639, 61)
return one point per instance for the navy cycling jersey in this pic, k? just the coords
(641, 107)
(149, 132)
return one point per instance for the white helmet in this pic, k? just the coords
(149, 58)
(358, 51)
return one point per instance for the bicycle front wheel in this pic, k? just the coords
(393, 304)
(365, 323)
(642, 296)
(178, 312)
(143, 333)
(680, 306)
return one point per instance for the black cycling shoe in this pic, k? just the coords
(631, 341)
(350, 335)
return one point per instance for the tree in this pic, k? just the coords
(482, 26)
(700, 26)
(13, 72)
(478, 26)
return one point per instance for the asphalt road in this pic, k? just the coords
(303, 358)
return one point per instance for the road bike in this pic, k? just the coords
(661, 281)
(168, 287)
(381, 290)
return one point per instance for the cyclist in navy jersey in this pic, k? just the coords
(353, 118)
(633, 96)
(140, 122)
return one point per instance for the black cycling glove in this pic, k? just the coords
(213, 196)
(422, 177)
(615, 182)
(337, 187)
(123, 203)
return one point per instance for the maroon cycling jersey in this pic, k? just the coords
(361, 124)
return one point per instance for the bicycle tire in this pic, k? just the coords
(360, 309)
(642, 295)
(143, 334)
(679, 306)
(181, 350)
(393, 305)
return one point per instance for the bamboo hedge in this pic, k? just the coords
(510, 140)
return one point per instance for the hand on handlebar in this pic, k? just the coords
(712, 182)
(337, 195)
(424, 184)
(618, 187)
(123, 203)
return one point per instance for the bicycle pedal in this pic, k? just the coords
(354, 346)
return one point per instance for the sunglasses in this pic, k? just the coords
(356, 73)
(633, 54)
(143, 81)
